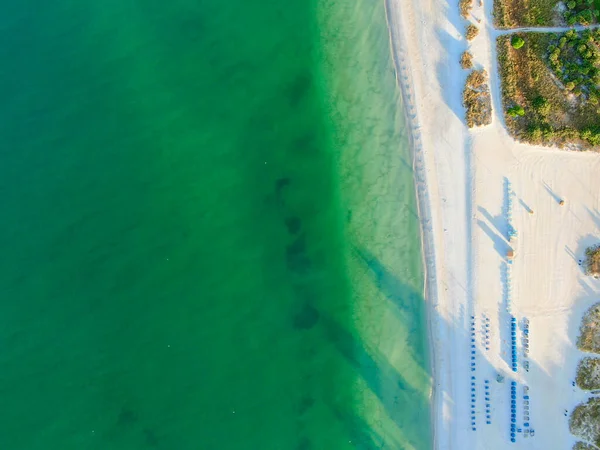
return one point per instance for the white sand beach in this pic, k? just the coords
(463, 182)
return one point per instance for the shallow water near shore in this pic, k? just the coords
(209, 227)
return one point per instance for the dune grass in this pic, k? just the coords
(589, 332)
(585, 421)
(526, 13)
(583, 446)
(465, 7)
(477, 100)
(466, 60)
(588, 374)
(592, 261)
(545, 13)
(554, 78)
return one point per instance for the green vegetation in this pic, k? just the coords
(471, 32)
(517, 42)
(476, 99)
(466, 60)
(581, 12)
(526, 13)
(585, 421)
(583, 446)
(588, 374)
(574, 59)
(465, 7)
(515, 111)
(535, 13)
(592, 260)
(589, 333)
(541, 105)
(551, 87)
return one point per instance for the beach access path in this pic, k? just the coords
(466, 180)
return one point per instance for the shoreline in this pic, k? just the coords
(430, 288)
(460, 177)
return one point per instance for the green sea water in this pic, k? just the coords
(208, 229)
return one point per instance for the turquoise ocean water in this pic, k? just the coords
(208, 229)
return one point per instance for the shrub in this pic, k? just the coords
(540, 104)
(588, 373)
(516, 111)
(517, 42)
(585, 17)
(589, 332)
(471, 32)
(466, 60)
(534, 133)
(592, 254)
(584, 422)
(465, 7)
(476, 99)
(583, 446)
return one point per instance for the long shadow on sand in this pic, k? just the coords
(500, 245)
(595, 214)
(499, 222)
(444, 70)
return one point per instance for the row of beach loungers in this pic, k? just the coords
(510, 194)
(513, 342)
(486, 333)
(525, 337)
(513, 411)
(473, 379)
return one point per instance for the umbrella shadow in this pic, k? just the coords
(500, 244)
